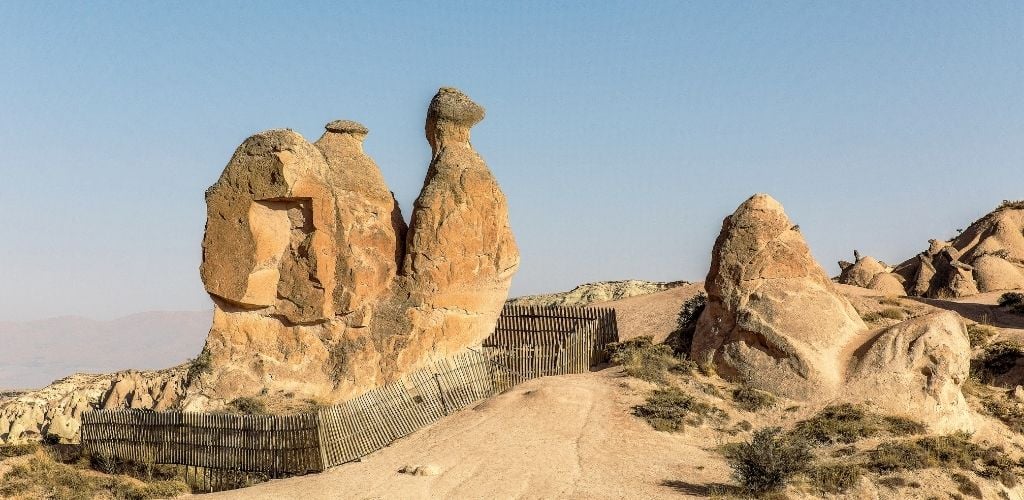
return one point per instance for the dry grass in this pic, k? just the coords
(42, 477)
(997, 359)
(17, 450)
(645, 360)
(953, 451)
(847, 423)
(834, 477)
(980, 335)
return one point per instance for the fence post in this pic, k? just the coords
(440, 394)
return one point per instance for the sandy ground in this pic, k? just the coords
(557, 437)
(653, 314)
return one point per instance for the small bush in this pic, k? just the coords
(671, 410)
(953, 450)
(847, 423)
(891, 313)
(965, 485)
(996, 464)
(997, 359)
(250, 406)
(768, 461)
(645, 360)
(751, 399)
(898, 482)
(835, 477)
(203, 363)
(1013, 301)
(686, 323)
(979, 334)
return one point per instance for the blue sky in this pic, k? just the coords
(622, 132)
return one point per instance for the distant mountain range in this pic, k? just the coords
(35, 353)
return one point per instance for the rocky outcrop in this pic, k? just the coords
(774, 321)
(601, 291)
(54, 412)
(773, 318)
(867, 272)
(320, 289)
(916, 368)
(988, 256)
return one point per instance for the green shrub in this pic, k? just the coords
(966, 486)
(670, 409)
(642, 358)
(768, 461)
(835, 477)
(847, 423)
(996, 359)
(979, 334)
(751, 399)
(250, 406)
(686, 323)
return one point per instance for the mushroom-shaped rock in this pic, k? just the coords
(773, 320)
(916, 368)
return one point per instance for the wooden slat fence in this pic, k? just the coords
(528, 342)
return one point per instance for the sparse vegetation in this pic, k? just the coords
(1012, 204)
(890, 301)
(1007, 411)
(642, 358)
(848, 423)
(42, 476)
(670, 409)
(203, 363)
(997, 359)
(952, 451)
(751, 399)
(17, 450)
(886, 313)
(247, 405)
(980, 335)
(965, 485)
(834, 477)
(768, 461)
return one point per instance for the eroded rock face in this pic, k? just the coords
(774, 319)
(320, 289)
(988, 256)
(867, 272)
(917, 368)
(54, 412)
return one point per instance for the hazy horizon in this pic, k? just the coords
(621, 133)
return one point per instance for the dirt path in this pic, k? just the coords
(556, 437)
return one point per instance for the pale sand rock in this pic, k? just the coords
(56, 409)
(653, 314)
(988, 256)
(773, 319)
(320, 289)
(601, 291)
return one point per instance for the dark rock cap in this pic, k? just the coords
(450, 104)
(347, 127)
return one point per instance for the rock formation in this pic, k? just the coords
(54, 412)
(775, 321)
(867, 272)
(988, 256)
(320, 290)
(773, 318)
(601, 291)
(916, 368)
